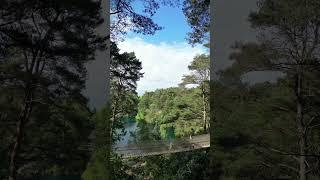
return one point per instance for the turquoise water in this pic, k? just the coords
(130, 127)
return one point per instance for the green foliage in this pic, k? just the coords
(200, 71)
(187, 165)
(261, 130)
(139, 21)
(198, 17)
(99, 165)
(179, 109)
(125, 72)
(167, 131)
(97, 168)
(200, 75)
(44, 48)
(174, 109)
(167, 114)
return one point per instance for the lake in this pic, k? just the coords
(129, 127)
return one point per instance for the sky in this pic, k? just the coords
(165, 56)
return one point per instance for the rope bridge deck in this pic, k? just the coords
(150, 148)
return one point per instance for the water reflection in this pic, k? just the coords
(130, 127)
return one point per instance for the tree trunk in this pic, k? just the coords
(302, 159)
(302, 143)
(204, 109)
(301, 126)
(25, 111)
(114, 110)
(108, 144)
(22, 120)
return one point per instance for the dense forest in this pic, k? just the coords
(46, 121)
(262, 130)
(163, 114)
(270, 130)
(174, 113)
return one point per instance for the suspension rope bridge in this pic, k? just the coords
(158, 147)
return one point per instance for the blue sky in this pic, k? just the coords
(174, 23)
(165, 56)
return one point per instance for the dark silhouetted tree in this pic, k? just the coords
(44, 46)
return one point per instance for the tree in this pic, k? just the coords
(125, 72)
(200, 68)
(44, 46)
(296, 25)
(198, 17)
(288, 43)
(125, 18)
(164, 114)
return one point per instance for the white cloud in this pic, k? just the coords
(163, 63)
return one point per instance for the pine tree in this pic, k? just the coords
(44, 46)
